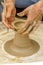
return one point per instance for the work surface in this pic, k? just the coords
(5, 36)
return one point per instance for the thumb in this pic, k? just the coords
(24, 12)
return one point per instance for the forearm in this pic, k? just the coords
(7, 1)
(9, 6)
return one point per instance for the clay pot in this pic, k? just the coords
(21, 45)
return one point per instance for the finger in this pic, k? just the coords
(38, 21)
(4, 20)
(36, 27)
(30, 28)
(8, 26)
(13, 28)
(35, 22)
(23, 13)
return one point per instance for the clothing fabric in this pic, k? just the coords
(25, 3)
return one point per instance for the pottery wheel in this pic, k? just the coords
(21, 46)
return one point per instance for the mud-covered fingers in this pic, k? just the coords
(13, 28)
(30, 28)
(36, 27)
(38, 21)
(33, 27)
(9, 26)
(4, 21)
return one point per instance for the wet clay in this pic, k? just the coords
(21, 46)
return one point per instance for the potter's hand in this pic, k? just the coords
(8, 17)
(33, 14)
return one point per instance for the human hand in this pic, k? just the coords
(9, 15)
(33, 14)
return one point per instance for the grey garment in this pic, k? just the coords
(35, 0)
(1, 0)
(1, 8)
(25, 3)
